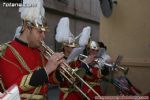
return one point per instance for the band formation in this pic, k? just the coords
(80, 70)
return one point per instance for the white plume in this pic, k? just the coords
(63, 33)
(85, 35)
(32, 10)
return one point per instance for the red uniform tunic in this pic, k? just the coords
(13, 72)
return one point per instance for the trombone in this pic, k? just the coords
(66, 71)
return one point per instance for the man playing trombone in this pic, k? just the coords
(92, 77)
(21, 61)
(67, 39)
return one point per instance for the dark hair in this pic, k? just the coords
(102, 45)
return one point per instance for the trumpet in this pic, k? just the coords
(114, 66)
(68, 73)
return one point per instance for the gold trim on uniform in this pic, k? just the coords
(66, 91)
(36, 92)
(92, 84)
(25, 82)
(19, 57)
(35, 96)
(2, 49)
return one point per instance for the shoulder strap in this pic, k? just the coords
(20, 59)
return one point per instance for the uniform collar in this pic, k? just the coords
(21, 42)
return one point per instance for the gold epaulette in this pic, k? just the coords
(2, 49)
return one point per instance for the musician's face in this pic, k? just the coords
(93, 52)
(67, 50)
(35, 37)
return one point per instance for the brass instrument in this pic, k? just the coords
(113, 66)
(69, 73)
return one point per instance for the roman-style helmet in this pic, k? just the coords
(85, 40)
(33, 14)
(93, 45)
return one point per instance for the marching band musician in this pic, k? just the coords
(64, 36)
(92, 77)
(22, 63)
(97, 69)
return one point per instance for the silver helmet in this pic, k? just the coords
(93, 45)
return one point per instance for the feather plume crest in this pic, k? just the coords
(32, 10)
(85, 36)
(63, 33)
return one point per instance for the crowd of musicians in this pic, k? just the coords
(24, 61)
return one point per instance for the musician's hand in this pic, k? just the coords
(53, 62)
